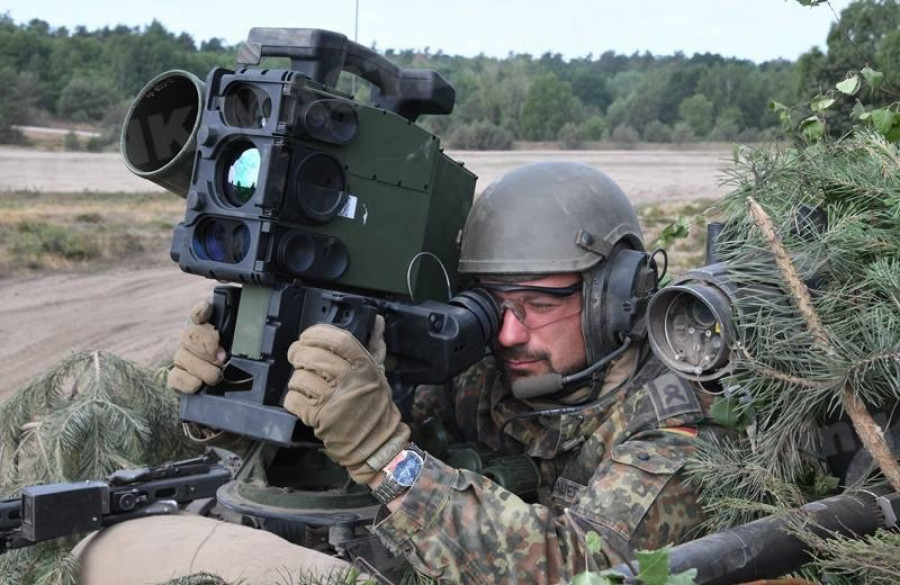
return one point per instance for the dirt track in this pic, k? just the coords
(137, 312)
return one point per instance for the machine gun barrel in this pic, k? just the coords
(766, 548)
(45, 512)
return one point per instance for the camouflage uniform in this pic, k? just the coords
(614, 468)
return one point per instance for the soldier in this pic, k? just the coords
(549, 241)
(559, 247)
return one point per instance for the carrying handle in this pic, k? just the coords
(321, 55)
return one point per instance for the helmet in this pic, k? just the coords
(564, 217)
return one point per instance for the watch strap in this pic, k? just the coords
(390, 488)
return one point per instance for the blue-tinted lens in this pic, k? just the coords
(243, 174)
(214, 242)
(240, 243)
(223, 241)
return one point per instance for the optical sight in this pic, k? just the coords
(322, 208)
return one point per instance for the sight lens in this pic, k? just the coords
(222, 241)
(319, 187)
(702, 313)
(333, 121)
(246, 107)
(243, 175)
(214, 242)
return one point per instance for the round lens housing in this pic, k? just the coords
(333, 121)
(241, 173)
(246, 106)
(690, 329)
(222, 240)
(319, 187)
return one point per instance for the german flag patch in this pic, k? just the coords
(691, 432)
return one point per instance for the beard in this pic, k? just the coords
(520, 353)
(543, 364)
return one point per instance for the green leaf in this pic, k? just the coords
(883, 119)
(858, 111)
(589, 578)
(849, 86)
(684, 578)
(727, 412)
(825, 485)
(654, 566)
(894, 134)
(873, 78)
(821, 103)
(592, 542)
(679, 229)
(784, 114)
(812, 128)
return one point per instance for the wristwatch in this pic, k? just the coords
(400, 473)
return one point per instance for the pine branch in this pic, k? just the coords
(869, 433)
(87, 416)
(772, 373)
(850, 265)
(798, 290)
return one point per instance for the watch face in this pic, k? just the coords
(407, 469)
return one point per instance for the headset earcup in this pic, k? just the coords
(616, 295)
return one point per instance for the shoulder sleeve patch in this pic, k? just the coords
(672, 396)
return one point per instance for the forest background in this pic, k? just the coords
(86, 78)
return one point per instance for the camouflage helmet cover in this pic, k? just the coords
(546, 218)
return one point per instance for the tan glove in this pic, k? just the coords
(199, 360)
(338, 389)
(376, 346)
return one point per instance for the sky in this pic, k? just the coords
(759, 30)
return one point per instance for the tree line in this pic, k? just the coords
(53, 75)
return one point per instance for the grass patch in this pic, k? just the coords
(91, 217)
(41, 231)
(36, 239)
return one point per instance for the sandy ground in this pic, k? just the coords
(138, 311)
(645, 175)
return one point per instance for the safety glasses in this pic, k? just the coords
(536, 306)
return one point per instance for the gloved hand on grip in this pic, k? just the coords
(200, 358)
(339, 390)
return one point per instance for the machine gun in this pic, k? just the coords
(45, 512)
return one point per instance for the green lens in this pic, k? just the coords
(243, 175)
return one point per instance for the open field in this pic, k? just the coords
(84, 246)
(645, 175)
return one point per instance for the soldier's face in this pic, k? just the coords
(540, 333)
